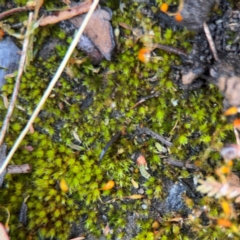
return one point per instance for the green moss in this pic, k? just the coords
(113, 92)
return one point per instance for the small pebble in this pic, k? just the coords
(144, 206)
(218, 22)
(140, 191)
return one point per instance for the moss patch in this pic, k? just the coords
(95, 104)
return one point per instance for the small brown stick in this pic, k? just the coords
(155, 136)
(14, 169)
(169, 49)
(57, 17)
(66, 14)
(17, 84)
(15, 10)
(143, 99)
(210, 41)
(181, 164)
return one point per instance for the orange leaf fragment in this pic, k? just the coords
(224, 222)
(230, 163)
(231, 111)
(63, 185)
(164, 7)
(236, 123)
(1, 33)
(226, 207)
(109, 185)
(225, 169)
(178, 17)
(144, 55)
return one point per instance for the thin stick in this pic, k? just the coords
(210, 41)
(66, 14)
(51, 85)
(18, 79)
(170, 49)
(181, 164)
(15, 10)
(155, 136)
(143, 99)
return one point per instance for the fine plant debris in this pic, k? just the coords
(132, 132)
(3, 150)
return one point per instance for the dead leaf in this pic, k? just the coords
(29, 148)
(135, 196)
(142, 165)
(134, 183)
(106, 230)
(160, 148)
(74, 146)
(78, 238)
(5, 101)
(109, 185)
(76, 136)
(63, 185)
(155, 224)
(31, 129)
(233, 180)
(231, 111)
(141, 160)
(176, 219)
(98, 31)
(224, 223)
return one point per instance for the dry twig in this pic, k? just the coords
(143, 99)
(66, 14)
(170, 49)
(181, 164)
(154, 135)
(55, 17)
(210, 41)
(15, 10)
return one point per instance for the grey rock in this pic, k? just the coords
(9, 58)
